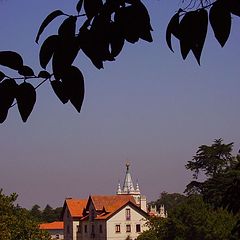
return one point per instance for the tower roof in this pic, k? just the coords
(128, 183)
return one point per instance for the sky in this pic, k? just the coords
(149, 107)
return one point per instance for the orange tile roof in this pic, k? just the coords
(111, 203)
(76, 206)
(51, 226)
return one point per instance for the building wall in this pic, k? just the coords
(90, 228)
(56, 234)
(120, 219)
(70, 226)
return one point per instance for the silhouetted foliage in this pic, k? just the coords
(104, 28)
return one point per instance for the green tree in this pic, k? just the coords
(222, 171)
(16, 222)
(191, 219)
(169, 200)
(105, 27)
(36, 213)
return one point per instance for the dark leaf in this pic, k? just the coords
(26, 98)
(116, 39)
(185, 33)
(79, 6)
(220, 20)
(172, 29)
(11, 59)
(26, 71)
(233, 6)
(68, 27)
(144, 24)
(200, 32)
(48, 47)
(44, 74)
(100, 32)
(46, 21)
(2, 76)
(7, 95)
(127, 23)
(3, 114)
(86, 42)
(74, 83)
(64, 55)
(58, 88)
(92, 7)
(134, 22)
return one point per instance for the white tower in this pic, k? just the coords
(128, 189)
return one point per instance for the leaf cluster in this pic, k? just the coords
(24, 93)
(101, 37)
(190, 27)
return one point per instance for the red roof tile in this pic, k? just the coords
(51, 226)
(76, 206)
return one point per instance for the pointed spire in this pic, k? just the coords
(119, 191)
(128, 183)
(137, 188)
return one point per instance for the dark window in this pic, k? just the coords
(68, 229)
(57, 236)
(85, 228)
(128, 214)
(93, 229)
(128, 228)
(117, 229)
(100, 229)
(138, 228)
(79, 228)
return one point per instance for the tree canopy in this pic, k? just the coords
(16, 223)
(100, 29)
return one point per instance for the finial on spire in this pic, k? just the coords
(127, 165)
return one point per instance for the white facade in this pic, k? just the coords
(131, 227)
(127, 220)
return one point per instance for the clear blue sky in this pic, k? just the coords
(149, 107)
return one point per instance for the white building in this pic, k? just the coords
(111, 217)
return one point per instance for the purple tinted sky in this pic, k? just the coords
(149, 107)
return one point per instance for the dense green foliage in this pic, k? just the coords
(48, 214)
(169, 200)
(16, 223)
(191, 219)
(212, 208)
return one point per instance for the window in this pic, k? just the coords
(138, 228)
(79, 228)
(85, 228)
(128, 228)
(93, 229)
(68, 229)
(57, 236)
(128, 214)
(117, 229)
(100, 229)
